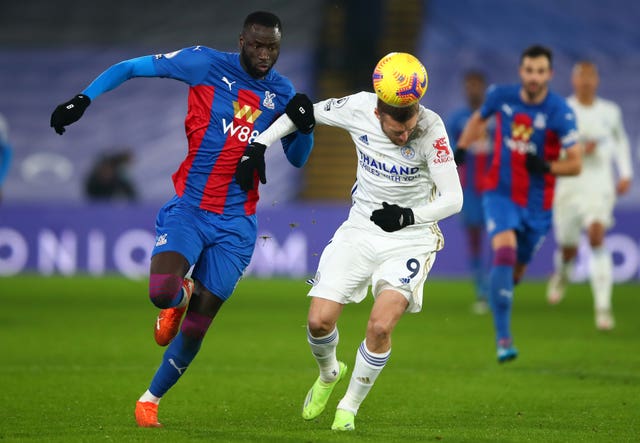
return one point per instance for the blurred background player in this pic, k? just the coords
(406, 182)
(210, 223)
(6, 152)
(109, 178)
(585, 203)
(533, 126)
(472, 174)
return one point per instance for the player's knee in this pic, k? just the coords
(163, 288)
(378, 331)
(195, 325)
(505, 256)
(320, 326)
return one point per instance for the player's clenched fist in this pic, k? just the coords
(252, 161)
(392, 217)
(69, 112)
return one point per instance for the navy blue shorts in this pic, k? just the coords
(220, 246)
(531, 227)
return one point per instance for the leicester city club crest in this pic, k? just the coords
(407, 152)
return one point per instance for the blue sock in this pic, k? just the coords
(501, 293)
(175, 361)
(500, 296)
(477, 269)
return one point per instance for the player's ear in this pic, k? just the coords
(375, 111)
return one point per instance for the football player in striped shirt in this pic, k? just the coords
(210, 223)
(536, 140)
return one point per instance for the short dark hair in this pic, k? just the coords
(262, 18)
(537, 51)
(399, 114)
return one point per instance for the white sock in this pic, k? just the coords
(149, 397)
(365, 372)
(601, 277)
(563, 268)
(324, 351)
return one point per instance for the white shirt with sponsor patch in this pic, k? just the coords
(600, 122)
(421, 175)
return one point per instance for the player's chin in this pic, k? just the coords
(263, 68)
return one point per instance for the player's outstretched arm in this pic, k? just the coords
(473, 130)
(71, 111)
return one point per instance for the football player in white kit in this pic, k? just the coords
(406, 182)
(584, 203)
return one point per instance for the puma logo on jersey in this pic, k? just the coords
(228, 82)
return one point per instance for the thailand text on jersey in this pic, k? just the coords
(227, 109)
(474, 169)
(543, 129)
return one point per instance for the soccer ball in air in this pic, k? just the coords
(399, 79)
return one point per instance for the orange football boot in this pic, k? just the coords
(147, 415)
(168, 321)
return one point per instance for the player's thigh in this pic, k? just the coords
(178, 231)
(529, 241)
(500, 213)
(599, 209)
(224, 260)
(567, 224)
(345, 267)
(404, 269)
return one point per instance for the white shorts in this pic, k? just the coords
(357, 258)
(572, 216)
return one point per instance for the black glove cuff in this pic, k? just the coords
(460, 155)
(259, 147)
(84, 99)
(407, 217)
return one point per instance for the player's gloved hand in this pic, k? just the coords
(300, 111)
(537, 165)
(252, 161)
(460, 156)
(69, 112)
(392, 217)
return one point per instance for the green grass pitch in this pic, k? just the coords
(76, 353)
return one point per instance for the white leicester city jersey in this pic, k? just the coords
(600, 122)
(386, 172)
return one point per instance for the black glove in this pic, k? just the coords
(392, 217)
(69, 112)
(300, 111)
(537, 165)
(460, 156)
(252, 161)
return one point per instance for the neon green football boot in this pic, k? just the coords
(318, 396)
(344, 421)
